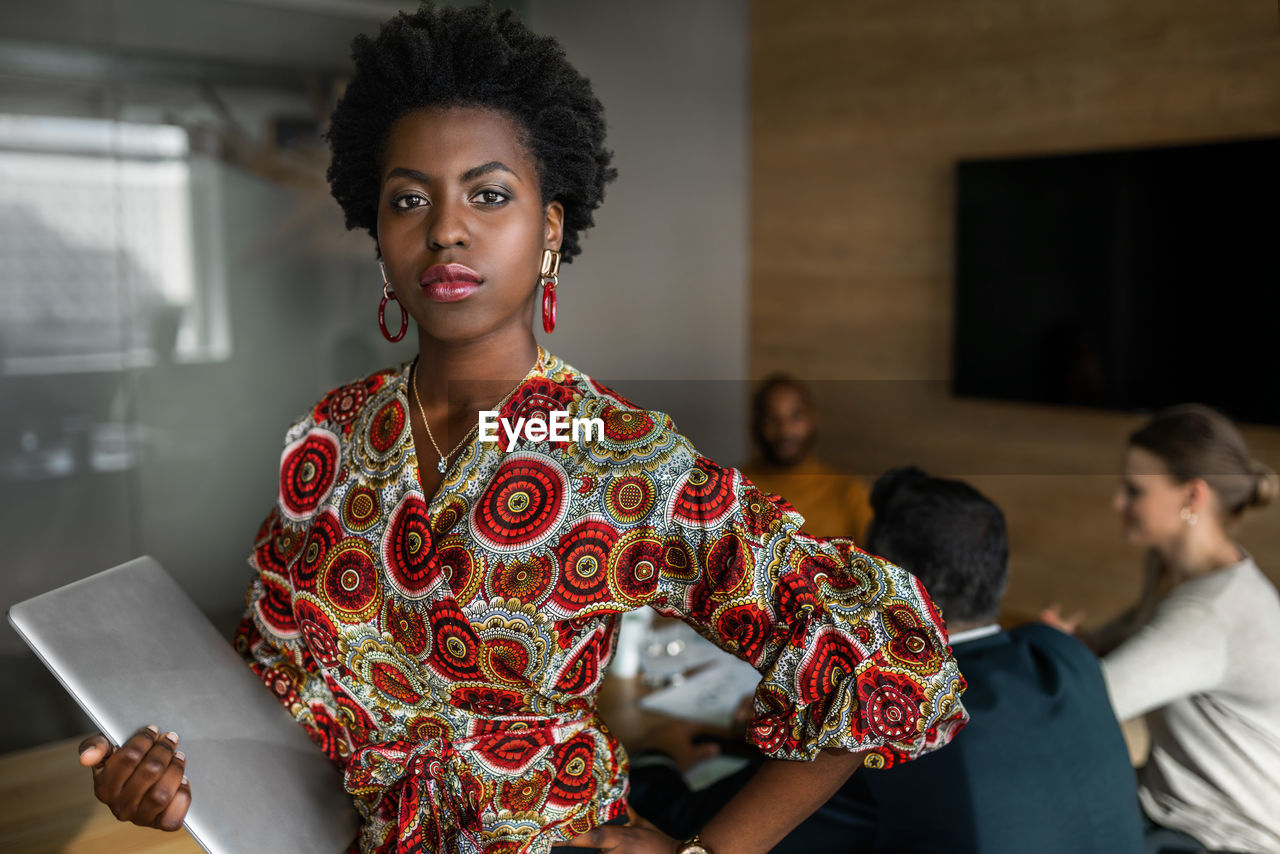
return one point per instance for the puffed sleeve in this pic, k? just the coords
(280, 638)
(851, 651)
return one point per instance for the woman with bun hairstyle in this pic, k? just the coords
(1199, 654)
(438, 610)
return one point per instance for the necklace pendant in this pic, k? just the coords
(440, 466)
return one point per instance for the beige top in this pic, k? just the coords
(1206, 671)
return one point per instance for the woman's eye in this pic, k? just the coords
(408, 201)
(491, 197)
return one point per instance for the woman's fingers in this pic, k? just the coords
(110, 775)
(94, 750)
(147, 775)
(171, 818)
(625, 840)
(155, 801)
(1053, 616)
(634, 819)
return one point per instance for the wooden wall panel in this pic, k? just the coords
(860, 109)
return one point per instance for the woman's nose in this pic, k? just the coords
(447, 226)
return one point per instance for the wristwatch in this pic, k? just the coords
(693, 845)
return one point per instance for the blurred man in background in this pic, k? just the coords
(783, 426)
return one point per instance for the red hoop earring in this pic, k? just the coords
(382, 310)
(548, 277)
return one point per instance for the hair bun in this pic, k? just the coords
(1266, 485)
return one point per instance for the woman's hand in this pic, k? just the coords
(1053, 616)
(637, 836)
(144, 781)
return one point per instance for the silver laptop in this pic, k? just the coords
(133, 649)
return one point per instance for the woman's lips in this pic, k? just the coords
(449, 282)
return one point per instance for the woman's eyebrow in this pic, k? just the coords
(485, 168)
(470, 175)
(401, 171)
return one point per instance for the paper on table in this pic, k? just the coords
(674, 649)
(708, 697)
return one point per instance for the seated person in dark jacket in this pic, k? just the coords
(1041, 766)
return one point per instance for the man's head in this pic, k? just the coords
(782, 420)
(948, 535)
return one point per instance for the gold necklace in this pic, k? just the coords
(443, 465)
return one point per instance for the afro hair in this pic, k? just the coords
(470, 57)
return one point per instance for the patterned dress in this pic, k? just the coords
(446, 652)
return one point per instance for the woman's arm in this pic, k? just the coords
(1108, 636)
(773, 803)
(1181, 651)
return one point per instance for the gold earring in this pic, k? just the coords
(1189, 517)
(549, 277)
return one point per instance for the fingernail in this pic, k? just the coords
(154, 730)
(171, 737)
(185, 781)
(180, 756)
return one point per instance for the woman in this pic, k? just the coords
(438, 610)
(1199, 652)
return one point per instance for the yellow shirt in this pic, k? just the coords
(832, 504)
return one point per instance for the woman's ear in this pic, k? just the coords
(553, 226)
(1199, 496)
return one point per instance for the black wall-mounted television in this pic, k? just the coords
(1125, 280)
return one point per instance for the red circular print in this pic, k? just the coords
(427, 728)
(343, 404)
(449, 515)
(830, 660)
(325, 533)
(529, 580)
(406, 626)
(634, 565)
(625, 425)
(890, 705)
(729, 562)
(361, 508)
(512, 751)
(580, 673)
(352, 716)
(308, 468)
(349, 581)
(574, 780)
(388, 424)
(630, 499)
(584, 564)
(748, 628)
(760, 515)
(706, 496)
(537, 396)
(795, 595)
(486, 700)
(678, 561)
(275, 608)
(526, 793)
(909, 644)
(317, 631)
(525, 502)
(608, 392)
(458, 566)
(393, 682)
(455, 651)
(413, 567)
(505, 660)
(277, 545)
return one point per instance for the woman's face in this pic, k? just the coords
(461, 224)
(1149, 500)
